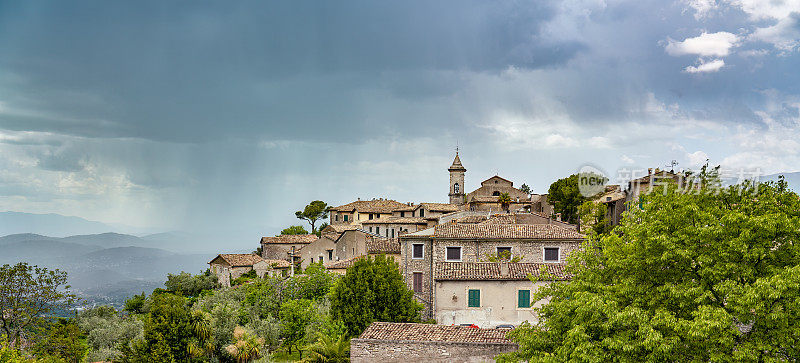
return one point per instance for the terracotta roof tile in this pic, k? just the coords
(290, 239)
(339, 228)
(372, 206)
(441, 207)
(505, 231)
(472, 219)
(239, 259)
(395, 220)
(382, 245)
(479, 271)
(343, 264)
(434, 333)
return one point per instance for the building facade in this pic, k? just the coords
(426, 253)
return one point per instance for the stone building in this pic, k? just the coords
(280, 247)
(485, 198)
(374, 246)
(617, 199)
(425, 252)
(488, 294)
(363, 210)
(228, 267)
(410, 342)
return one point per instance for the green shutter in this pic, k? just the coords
(474, 299)
(524, 299)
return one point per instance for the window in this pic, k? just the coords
(456, 188)
(392, 232)
(421, 212)
(524, 299)
(402, 214)
(370, 229)
(453, 254)
(473, 298)
(551, 254)
(320, 259)
(336, 217)
(496, 194)
(377, 230)
(417, 282)
(504, 253)
(370, 216)
(417, 251)
(330, 255)
(345, 217)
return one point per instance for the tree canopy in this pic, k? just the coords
(565, 197)
(372, 290)
(28, 294)
(294, 230)
(711, 275)
(313, 212)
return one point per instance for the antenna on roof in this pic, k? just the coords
(673, 164)
(456, 146)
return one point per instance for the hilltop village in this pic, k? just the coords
(474, 263)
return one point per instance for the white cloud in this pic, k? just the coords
(717, 44)
(627, 159)
(702, 7)
(767, 9)
(697, 158)
(784, 36)
(706, 67)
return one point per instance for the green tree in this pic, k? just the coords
(525, 189)
(295, 316)
(565, 197)
(294, 230)
(190, 285)
(27, 294)
(135, 304)
(711, 275)
(593, 218)
(505, 201)
(328, 350)
(313, 212)
(372, 290)
(64, 340)
(171, 332)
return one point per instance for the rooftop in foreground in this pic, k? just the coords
(434, 333)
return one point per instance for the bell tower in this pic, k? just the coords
(457, 181)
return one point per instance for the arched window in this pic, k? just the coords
(456, 188)
(496, 193)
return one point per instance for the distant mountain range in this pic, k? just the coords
(58, 225)
(793, 179)
(108, 267)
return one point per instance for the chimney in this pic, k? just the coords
(558, 217)
(649, 171)
(359, 199)
(504, 269)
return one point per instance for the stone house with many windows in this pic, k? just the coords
(363, 210)
(427, 255)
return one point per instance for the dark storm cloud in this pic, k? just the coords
(188, 71)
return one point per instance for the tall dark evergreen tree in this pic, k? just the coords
(373, 290)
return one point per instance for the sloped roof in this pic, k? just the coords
(457, 166)
(339, 228)
(238, 259)
(395, 220)
(505, 231)
(343, 264)
(383, 245)
(372, 206)
(501, 219)
(433, 333)
(498, 177)
(472, 219)
(441, 207)
(479, 271)
(289, 239)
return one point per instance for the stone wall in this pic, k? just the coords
(372, 350)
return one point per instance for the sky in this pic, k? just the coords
(226, 117)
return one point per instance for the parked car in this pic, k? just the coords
(504, 326)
